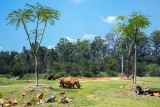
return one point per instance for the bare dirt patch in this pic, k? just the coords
(37, 88)
(98, 78)
(90, 96)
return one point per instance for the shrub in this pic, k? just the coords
(153, 70)
(9, 76)
(74, 73)
(59, 74)
(111, 63)
(28, 76)
(56, 66)
(44, 76)
(111, 73)
(0, 95)
(16, 69)
(3, 75)
(93, 68)
(100, 75)
(87, 74)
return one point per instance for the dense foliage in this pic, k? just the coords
(100, 57)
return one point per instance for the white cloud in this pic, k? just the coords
(1, 48)
(109, 19)
(70, 39)
(50, 47)
(77, 1)
(88, 37)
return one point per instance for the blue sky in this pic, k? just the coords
(80, 19)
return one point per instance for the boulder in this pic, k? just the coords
(1, 101)
(26, 103)
(39, 96)
(7, 105)
(51, 77)
(24, 94)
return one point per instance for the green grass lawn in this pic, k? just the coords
(93, 93)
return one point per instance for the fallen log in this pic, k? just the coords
(48, 99)
(152, 91)
(142, 90)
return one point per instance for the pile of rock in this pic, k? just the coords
(16, 78)
(63, 99)
(131, 86)
(37, 88)
(7, 102)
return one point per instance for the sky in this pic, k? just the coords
(80, 19)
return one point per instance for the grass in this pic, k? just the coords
(94, 93)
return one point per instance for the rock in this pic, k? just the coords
(23, 94)
(17, 78)
(62, 93)
(28, 82)
(156, 94)
(7, 101)
(7, 105)
(131, 86)
(39, 96)
(63, 100)
(51, 77)
(148, 95)
(13, 102)
(70, 100)
(49, 87)
(121, 86)
(32, 99)
(1, 101)
(26, 103)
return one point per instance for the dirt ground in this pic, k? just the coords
(93, 78)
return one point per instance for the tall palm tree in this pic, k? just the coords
(36, 14)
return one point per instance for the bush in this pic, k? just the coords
(111, 63)
(100, 75)
(0, 95)
(16, 69)
(74, 73)
(59, 74)
(93, 68)
(153, 70)
(3, 75)
(56, 66)
(43, 76)
(28, 76)
(9, 76)
(87, 74)
(111, 73)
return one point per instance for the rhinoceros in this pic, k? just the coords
(69, 82)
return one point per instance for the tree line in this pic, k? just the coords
(96, 58)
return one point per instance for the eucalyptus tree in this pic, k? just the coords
(37, 14)
(155, 39)
(135, 23)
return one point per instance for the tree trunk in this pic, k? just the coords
(135, 66)
(127, 66)
(36, 72)
(122, 67)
